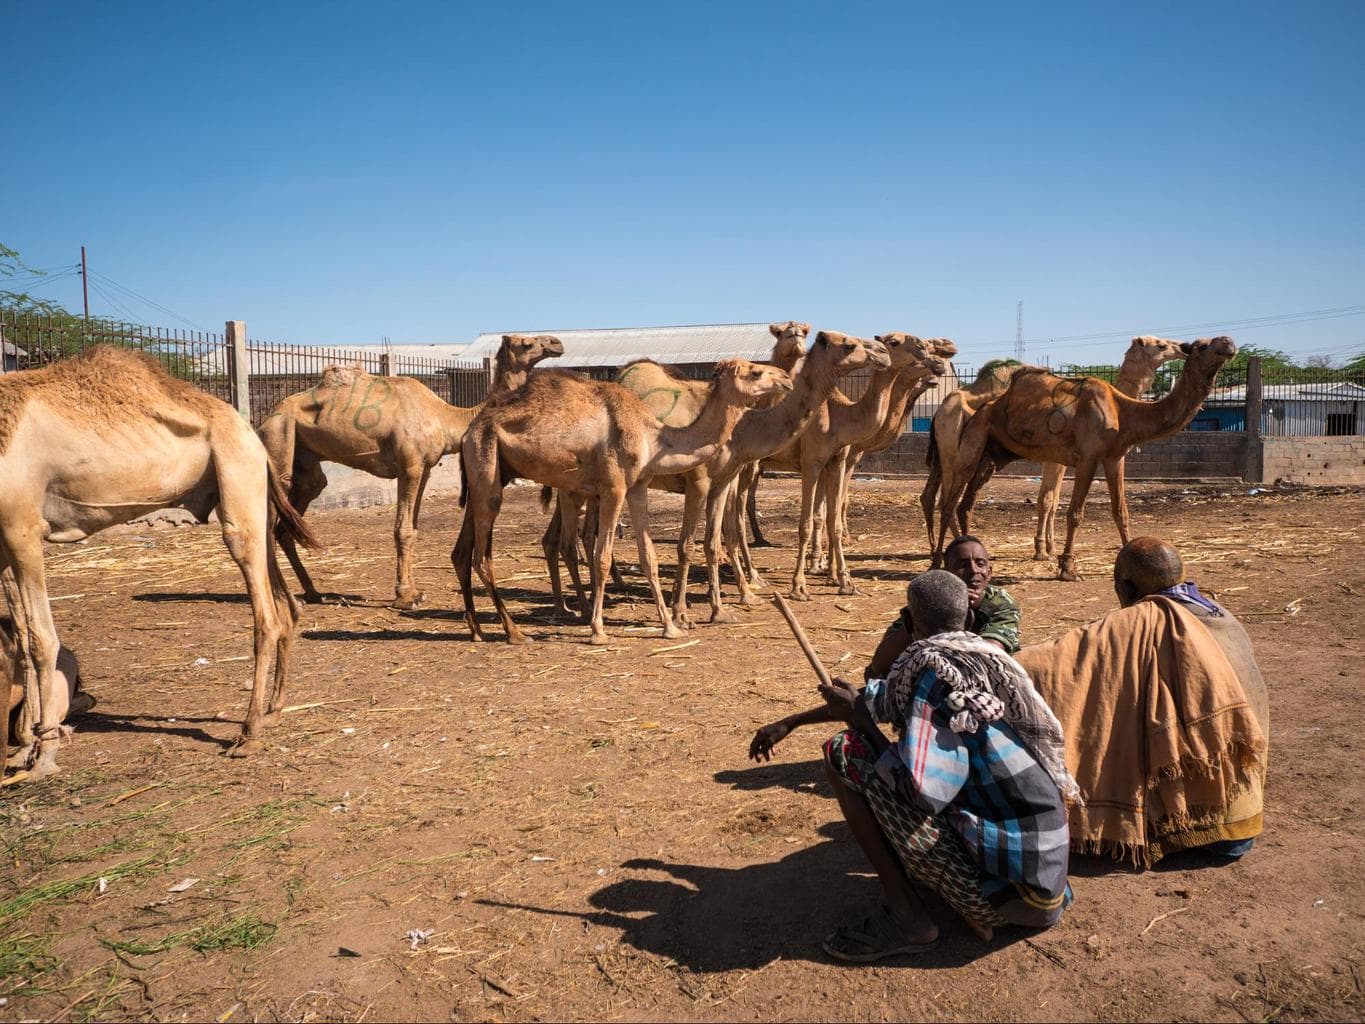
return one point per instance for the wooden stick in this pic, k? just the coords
(800, 635)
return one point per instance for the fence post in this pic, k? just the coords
(239, 367)
(488, 373)
(385, 365)
(1254, 469)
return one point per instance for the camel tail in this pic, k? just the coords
(464, 481)
(287, 518)
(547, 497)
(931, 456)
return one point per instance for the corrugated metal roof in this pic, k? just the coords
(701, 343)
(1321, 391)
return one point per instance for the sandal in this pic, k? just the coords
(875, 938)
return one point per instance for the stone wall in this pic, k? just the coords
(1314, 460)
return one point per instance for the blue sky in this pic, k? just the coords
(333, 173)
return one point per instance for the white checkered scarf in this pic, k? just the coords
(984, 683)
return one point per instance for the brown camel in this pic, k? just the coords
(391, 427)
(105, 437)
(1085, 423)
(904, 394)
(591, 438)
(788, 352)
(950, 419)
(1145, 356)
(760, 433)
(677, 402)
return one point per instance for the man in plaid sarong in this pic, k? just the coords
(967, 802)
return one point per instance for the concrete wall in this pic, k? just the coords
(1191, 454)
(1314, 460)
(352, 488)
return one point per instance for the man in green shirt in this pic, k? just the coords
(994, 615)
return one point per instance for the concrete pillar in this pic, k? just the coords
(385, 364)
(239, 367)
(1254, 470)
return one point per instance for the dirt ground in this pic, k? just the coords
(444, 830)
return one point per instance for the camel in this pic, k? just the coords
(1085, 423)
(760, 433)
(100, 439)
(591, 438)
(904, 394)
(676, 401)
(787, 353)
(950, 419)
(391, 427)
(819, 453)
(1145, 356)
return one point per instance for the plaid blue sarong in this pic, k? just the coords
(988, 786)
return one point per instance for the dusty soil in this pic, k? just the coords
(450, 830)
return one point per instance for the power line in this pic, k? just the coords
(150, 302)
(113, 302)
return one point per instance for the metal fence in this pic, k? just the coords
(274, 370)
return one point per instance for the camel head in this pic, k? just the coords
(845, 353)
(1153, 351)
(523, 351)
(1209, 354)
(907, 350)
(749, 384)
(942, 347)
(790, 345)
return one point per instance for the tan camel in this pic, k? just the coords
(760, 433)
(677, 402)
(819, 453)
(1145, 356)
(105, 437)
(591, 438)
(950, 419)
(1085, 423)
(391, 427)
(904, 394)
(788, 352)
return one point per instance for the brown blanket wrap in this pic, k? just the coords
(1159, 733)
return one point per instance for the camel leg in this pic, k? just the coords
(715, 523)
(287, 615)
(966, 464)
(45, 702)
(746, 554)
(1049, 496)
(751, 508)
(579, 526)
(482, 542)
(1080, 488)
(733, 536)
(1118, 498)
(836, 500)
(462, 557)
(609, 504)
(694, 498)
(243, 510)
(410, 478)
(984, 471)
(638, 498)
(816, 562)
(928, 497)
(304, 483)
(810, 479)
(549, 544)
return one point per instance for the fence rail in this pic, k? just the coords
(274, 369)
(1291, 401)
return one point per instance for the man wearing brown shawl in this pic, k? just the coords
(1165, 716)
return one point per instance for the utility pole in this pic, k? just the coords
(85, 285)
(1019, 332)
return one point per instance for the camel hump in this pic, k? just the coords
(339, 376)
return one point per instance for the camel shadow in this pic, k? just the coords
(348, 635)
(716, 919)
(103, 722)
(161, 597)
(800, 777)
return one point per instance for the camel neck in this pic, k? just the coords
(909, 386)
(1134, 378)
(507, 377)
(764, 431)
(455, 420)
(1147, 421)
(853, 423)
(685, 448)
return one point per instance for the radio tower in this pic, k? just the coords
(1019, 331)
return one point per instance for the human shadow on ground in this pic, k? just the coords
(103, 722)
(714, 919)
(1097, 865)
(800, 777)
